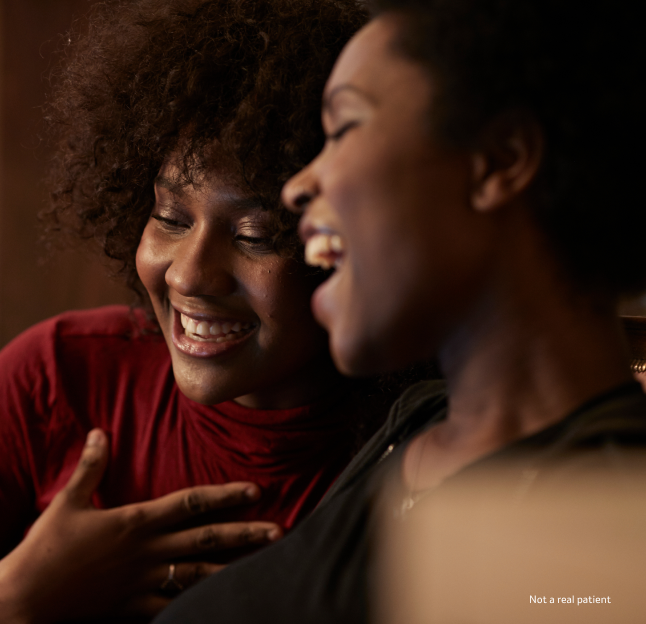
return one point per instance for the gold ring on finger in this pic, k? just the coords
(171, 586)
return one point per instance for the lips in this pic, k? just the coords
(201, 336)
(324, 247)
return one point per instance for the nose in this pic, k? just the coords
(300, 190)
(200, 268)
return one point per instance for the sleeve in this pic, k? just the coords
(27, 397)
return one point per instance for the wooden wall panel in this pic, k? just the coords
(31, 290)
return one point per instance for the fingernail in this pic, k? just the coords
(93, 438)
(252, 492)
(274, 534)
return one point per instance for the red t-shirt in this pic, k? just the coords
(97, 368)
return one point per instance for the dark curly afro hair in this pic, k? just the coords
(577, 67)
(158, 77)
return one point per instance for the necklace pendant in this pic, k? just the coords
(406, 505)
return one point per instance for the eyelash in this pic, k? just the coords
(172, 223)
(259, 244)
(342, 130)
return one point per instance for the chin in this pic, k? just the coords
(355, 357)
(202, 397)
(360, 355)
(201, 392)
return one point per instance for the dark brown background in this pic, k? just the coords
(30, 289)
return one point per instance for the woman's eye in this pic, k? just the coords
(169, 223)
(335, 136)
(256, 243)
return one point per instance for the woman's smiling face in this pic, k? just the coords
(389, 206)
(235, 315)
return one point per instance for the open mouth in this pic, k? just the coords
(207, 337)
(214, 331)
(325, 250)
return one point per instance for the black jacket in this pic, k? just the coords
(318, 573)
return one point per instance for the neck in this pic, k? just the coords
(316, 381)
(525, 351)
(529, 354)
(514, 369)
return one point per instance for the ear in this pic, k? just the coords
(507, 159)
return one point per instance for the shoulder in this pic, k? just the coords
(617, 418)
(603, 439)
(116, 321)
(40, 369)
(77, 341)
(609, 435)
(106, 321)
(620, 416)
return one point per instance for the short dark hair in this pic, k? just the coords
(155, 76)
(577, 67)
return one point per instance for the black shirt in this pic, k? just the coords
(319, 572)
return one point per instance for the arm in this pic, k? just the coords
(79, 561)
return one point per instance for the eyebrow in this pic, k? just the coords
(237, 204)
(170, 184)
(328, 97)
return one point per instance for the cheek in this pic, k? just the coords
(151, 267)
(362, 190)
(284, 297)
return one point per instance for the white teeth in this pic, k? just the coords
(321, 248)
(336, 244)
(203, 329)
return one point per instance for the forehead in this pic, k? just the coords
(211, 167)
(370, 63)
(212, 177)
(212, 189)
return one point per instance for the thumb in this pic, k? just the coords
(90, 469)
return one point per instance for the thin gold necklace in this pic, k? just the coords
(413, 497)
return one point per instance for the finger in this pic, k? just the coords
(146, 606)
(190, 502)
(90, 468)
(214, 538)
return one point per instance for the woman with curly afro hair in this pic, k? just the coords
(209, 418)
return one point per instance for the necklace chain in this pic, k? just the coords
(413, 496)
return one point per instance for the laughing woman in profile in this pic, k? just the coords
(480, 197)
